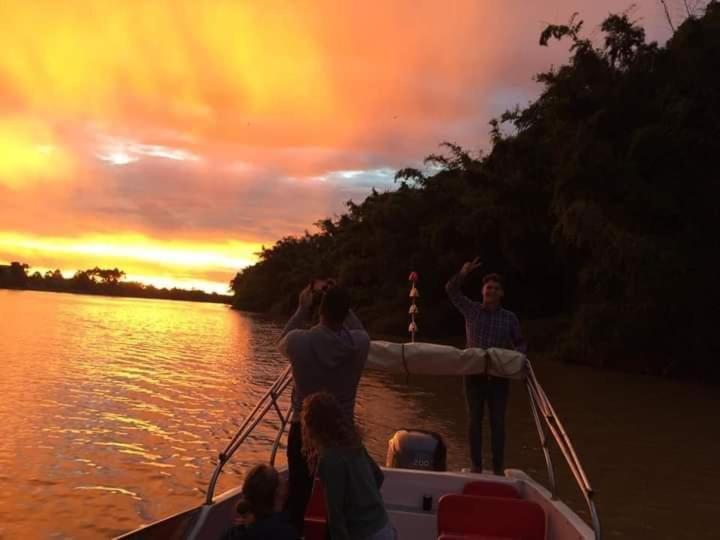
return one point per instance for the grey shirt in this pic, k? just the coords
(325, 360)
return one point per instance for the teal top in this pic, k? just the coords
(354, 505)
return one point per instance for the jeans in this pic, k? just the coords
(494, 390)
(300, 478)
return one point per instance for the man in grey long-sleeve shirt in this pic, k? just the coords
(487, 324)
(329, 357)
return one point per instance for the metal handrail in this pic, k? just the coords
(542, 433)
(281, 431)
(268, 401)
(555, 417)
(539, 402)
(553, 423)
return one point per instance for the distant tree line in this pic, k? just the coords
(598, 202)
(105, 281)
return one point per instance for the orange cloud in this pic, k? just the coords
(273, 73)
(164, 62)
(30, 153)
(182, 126)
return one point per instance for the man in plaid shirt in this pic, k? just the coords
(487, 325)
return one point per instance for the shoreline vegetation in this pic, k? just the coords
(598, 202)
(97, 281)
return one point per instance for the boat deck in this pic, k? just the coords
(406, 494)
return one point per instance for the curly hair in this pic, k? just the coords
(323, 426)
(259, 491)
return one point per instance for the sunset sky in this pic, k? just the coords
(172, 139)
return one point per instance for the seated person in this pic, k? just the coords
(350, 477)
(259, 515)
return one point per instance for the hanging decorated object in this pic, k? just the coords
(414, 295)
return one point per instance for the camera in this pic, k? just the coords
(319, 286)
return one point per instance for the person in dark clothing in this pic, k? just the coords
(330, 357)
(487, 325)
(350, 478)
(259, 517)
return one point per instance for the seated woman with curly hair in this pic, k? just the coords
(350, 477)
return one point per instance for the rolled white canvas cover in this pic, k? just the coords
(433, 359)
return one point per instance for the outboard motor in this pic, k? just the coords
(416, 449)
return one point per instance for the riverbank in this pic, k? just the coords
(158, 294)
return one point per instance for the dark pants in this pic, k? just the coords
(494, 390)
(300, 478)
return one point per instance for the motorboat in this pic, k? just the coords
(424, 501)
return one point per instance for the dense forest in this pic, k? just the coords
(104, 281)
(598, 202)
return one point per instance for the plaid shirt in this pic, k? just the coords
(484, 327)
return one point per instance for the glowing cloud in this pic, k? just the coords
(171, 138)
(173, 263)
(117, 60)
(28, 153)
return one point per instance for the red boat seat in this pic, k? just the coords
(315, 514)
(491, 489)
(476, 517)
(474, 537)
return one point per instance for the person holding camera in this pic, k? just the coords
(328, 357)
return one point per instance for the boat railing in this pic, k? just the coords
(547, 422)
(269, 401)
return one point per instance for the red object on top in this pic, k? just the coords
(472, 516)
(315, 514)
(491, 489)
(413, 277)
(474, 537)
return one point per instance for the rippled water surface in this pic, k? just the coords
(112, 412)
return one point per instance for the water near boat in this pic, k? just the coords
(112, 412)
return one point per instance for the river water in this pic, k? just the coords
(113, 411)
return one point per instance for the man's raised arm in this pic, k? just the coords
(299, 319)
(459, 300)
